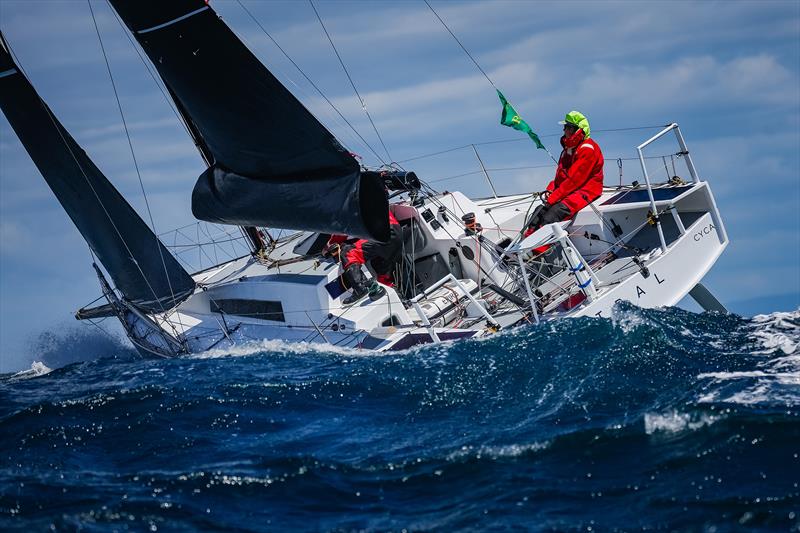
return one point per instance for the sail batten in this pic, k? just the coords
(141, 267)
(267, 148)
(173, 21)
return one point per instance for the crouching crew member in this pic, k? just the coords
(382, 255)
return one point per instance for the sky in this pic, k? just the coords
(727, 72)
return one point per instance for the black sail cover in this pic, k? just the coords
(140, 266)
(274, 163)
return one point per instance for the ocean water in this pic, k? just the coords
(656, 419)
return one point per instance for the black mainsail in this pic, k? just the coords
(141, 267)
(274, 163)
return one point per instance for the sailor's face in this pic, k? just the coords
(569, 130)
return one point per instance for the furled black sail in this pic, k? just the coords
(141, 267)
(274, 163)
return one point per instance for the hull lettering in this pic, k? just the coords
(703, 232)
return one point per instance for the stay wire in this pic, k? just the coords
(453, 35)
(530, 167)
(341, 62)
(133, 156)
(86, 178)
(505, 141)
(150, 71)
(308, 79)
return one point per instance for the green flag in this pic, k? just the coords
(511, 119)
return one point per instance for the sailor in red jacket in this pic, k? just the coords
(355, 254)
(579, 177)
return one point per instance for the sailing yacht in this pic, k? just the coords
(465, 269)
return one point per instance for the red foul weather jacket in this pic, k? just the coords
(579, 177)
(356, 252)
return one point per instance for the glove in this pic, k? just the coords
(332, 250)
(535, 219)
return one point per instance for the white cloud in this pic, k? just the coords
(691, 82)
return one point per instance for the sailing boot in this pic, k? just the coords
(355, 278)
(376, 291)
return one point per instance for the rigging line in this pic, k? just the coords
(363, 104)
(532, 167)
(633, 128)
(476, 64)
(149, 70)
(461, 45)
(504, 141)
(211, 243)
(439, 203)
(98, 326)
(440, 152)
(133, 155)
(88, 181)
(292, 61)
(488, 169)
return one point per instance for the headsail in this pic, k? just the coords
(274, 163)
(141, 267)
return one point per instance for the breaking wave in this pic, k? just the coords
(657, 419)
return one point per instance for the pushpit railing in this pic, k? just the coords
(695, 179)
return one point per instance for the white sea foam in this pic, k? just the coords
(37, 369)
(788, 378)
(777, 331)
(498, 451)
(674, 422)
(278, 347)
(776, 380)
(627, 319)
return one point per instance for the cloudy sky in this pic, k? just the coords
(727, 72)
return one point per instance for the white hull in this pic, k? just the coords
(452, 284)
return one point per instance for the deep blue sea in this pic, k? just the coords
(653, 420)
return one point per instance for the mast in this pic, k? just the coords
(200, 144)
